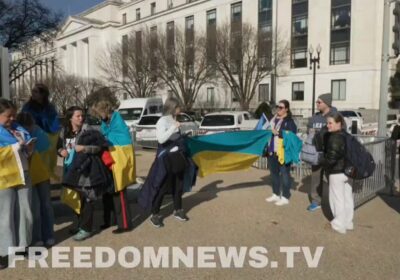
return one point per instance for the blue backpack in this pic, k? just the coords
(359, 162)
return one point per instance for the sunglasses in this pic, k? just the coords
(280, 107)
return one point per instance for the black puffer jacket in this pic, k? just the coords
(334, 152)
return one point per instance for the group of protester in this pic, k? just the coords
(327, 131)
(99, 165)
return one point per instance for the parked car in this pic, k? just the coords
(133, 109)
(353, 116)
(146, 128)
(227, 121)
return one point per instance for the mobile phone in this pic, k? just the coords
(32, 140)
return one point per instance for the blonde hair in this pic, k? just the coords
(103, 100)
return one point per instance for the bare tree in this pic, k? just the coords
(182, 64)
(69, 90)
(244, 58)
(127, 65)
(21, 22)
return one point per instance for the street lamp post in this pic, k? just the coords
(313, 61)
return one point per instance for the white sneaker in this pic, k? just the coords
(272, 198)
(282, 201)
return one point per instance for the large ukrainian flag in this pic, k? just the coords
(121, 150)
(11, 171)
(229, 151)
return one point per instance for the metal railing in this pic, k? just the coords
(383, 151)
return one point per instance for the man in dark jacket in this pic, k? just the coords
(317, 127)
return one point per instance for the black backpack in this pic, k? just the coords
(359, 162)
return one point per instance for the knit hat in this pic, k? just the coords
(326, 98)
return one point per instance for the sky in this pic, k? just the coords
(70, 7)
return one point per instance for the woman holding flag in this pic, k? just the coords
(42, 209)
(280, 169)
(46, 117)
(16, 146)
(104, 104)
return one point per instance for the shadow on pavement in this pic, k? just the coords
(392, 201)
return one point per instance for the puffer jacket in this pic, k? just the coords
(334, 152)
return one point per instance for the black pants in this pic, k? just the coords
(85, 220)
(174, 183)
(117, 203)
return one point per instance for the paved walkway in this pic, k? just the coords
(230, 210)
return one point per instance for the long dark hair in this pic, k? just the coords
(68, 133)
(287, 106)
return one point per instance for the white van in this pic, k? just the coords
(133, 109)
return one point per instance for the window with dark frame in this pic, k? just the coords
(263, 92)
(299, 40)
(138, 50)
(236, 37)
(340, 31)
(170, 4)
(211, 35)
(124, 55)
(153, 47)
(124, 18)
(338, 89)
(210, 95)
(264, 33)
(234, 97)
(171, 43)
(153, 8)
(189, 45)
(138, 14)
(298, 91)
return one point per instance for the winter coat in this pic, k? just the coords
(87, 170)
(335, 152)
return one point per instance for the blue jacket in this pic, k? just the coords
(293, 145)
(158, 174)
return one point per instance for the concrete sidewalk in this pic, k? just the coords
(230, 210)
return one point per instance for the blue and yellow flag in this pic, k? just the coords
(121, 150)
(11, 171)
(38, 169)
(230, 151)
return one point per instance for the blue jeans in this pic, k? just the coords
(280, 176)
(43, 213)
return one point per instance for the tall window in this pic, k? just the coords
(298, 91)
(264, 33)
(299, 33)
(124, 18)
(189, 43)
(210, 95)
(153, 8)
(236, 36)
(340, 31)
(263, 92)
(153, 46)
(171, 43)
(138, 50)
(170, 4)
(338, 89)
(124, 55)
(211, 35)
(137, 13)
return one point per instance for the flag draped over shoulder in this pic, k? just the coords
(11, 171)
(230, 151)
(121, 150)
